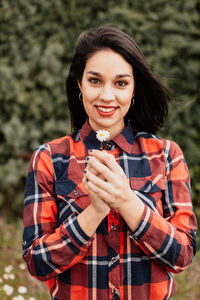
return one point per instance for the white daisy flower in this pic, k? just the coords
(18, 298)
(102, 135)
(11, 276)
(6, 276)
(22, 290)
(8, 289)
(8, 269)
(22, 266)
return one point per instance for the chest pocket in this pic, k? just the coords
(151, 190)
(71, 197)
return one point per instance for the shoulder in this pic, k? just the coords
(57, 147)
(62, 145)
(155, 139)
(54, 154)
(152, 143)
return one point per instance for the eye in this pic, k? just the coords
(121, 83)
(94, 80)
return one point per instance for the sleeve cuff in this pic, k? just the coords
(74, 236)
(143, 227)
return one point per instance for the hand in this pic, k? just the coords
(98, 204)
(107, 181)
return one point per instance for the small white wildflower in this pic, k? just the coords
(102, 135)
(19, 297)
(8, 269)
(11, 276)
(22, 290)
(8, 289)
(6, 276)
(32, 298)
(22, 266)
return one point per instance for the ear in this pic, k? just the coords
(79, 85)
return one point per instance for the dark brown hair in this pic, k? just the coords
(151, 97)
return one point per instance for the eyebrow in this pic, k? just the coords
(117, 76)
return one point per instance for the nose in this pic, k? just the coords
(107, 93)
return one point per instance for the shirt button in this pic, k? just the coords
(75, 192)
(114, 291)
(113, 259)
(88, 244)
(113, 227)
(133, 237)
(109, 146)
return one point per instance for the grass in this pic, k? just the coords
(189, 281)
(11, 255)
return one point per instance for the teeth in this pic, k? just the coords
(106, 109)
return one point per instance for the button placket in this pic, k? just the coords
(113, 227)
(114, 257)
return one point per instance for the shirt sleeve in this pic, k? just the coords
(48, 249)
(170, 239)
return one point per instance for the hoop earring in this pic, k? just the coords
(80, 97)
(132, 101)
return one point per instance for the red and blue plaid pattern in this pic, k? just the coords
(114, 263)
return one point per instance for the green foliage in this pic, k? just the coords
(13, 271)
(37, 43)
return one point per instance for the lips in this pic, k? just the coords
(106, 111)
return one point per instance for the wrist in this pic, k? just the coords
(99, 212)
(132, 211)
(128, 200)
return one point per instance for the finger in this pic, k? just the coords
(96, 191)
(98, 182)
(94, 171)
(100, 168)
(107, 159)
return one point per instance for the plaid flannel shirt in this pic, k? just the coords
(114, 263)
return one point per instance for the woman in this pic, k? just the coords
(111, 223)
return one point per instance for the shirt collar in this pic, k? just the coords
(124, 140)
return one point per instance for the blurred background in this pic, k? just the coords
(37, 42)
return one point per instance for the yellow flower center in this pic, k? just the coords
(101, 134)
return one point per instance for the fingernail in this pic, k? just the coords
(85, 171)
(87, 158)
(90, 151)
(87, 179)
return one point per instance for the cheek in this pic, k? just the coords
(125, 99)
(89, 95)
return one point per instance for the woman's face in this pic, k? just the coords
(107, 87)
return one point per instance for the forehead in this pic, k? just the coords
(107, 60)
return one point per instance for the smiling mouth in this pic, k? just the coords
(106, 109)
